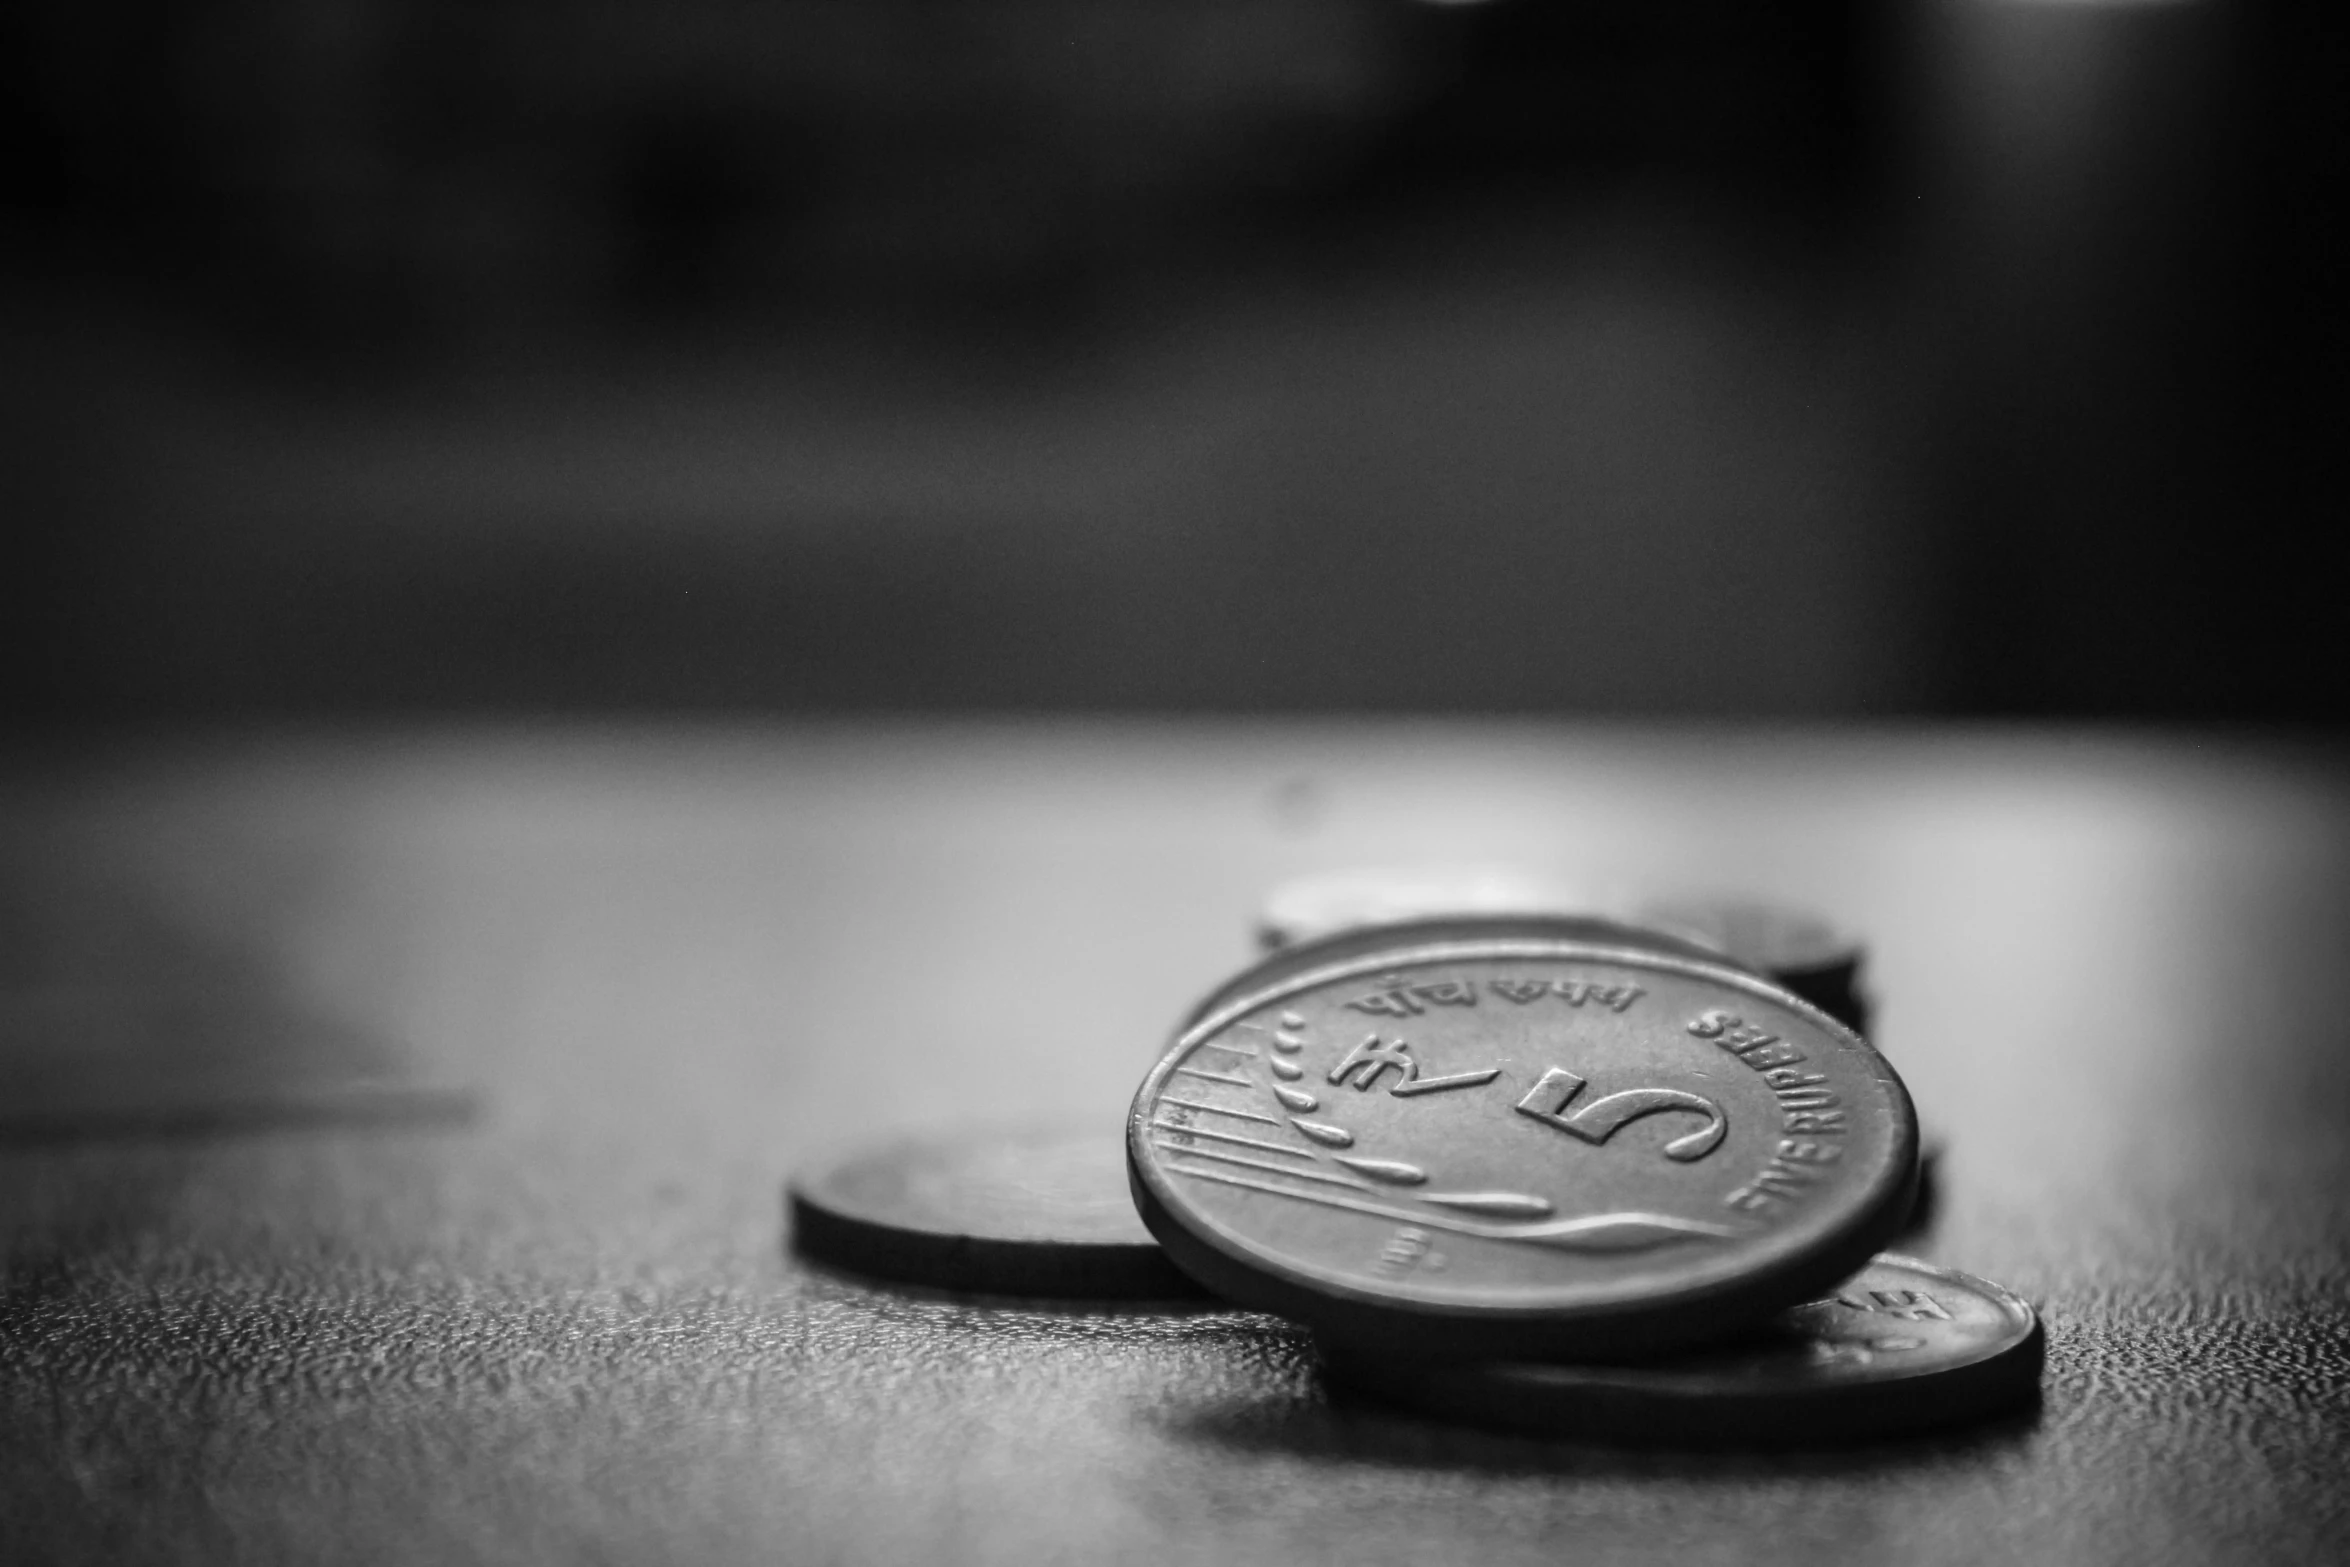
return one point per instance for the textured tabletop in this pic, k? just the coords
(392, 1130)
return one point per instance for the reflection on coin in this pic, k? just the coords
(1521, 1146)
(1803, 950)
(1902, 1345)
(1027, 1211)
(1349, 941)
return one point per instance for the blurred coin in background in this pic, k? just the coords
(1341, 943)
(1307, 907)
(1802, 949)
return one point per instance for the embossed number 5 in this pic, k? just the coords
(1601, 1119)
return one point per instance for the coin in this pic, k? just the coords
(1900, 1346)
(1307, 907)
(1039, 1210)
(1803, 950)
(1521, 1146)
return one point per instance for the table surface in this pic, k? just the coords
(394, 1129)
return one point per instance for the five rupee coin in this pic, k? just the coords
(1508, 1146)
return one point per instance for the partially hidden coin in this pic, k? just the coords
(1305, 908)
(1521, 1146)
(1350, 941)
(1039, 1210)
(1803, 950)
(1900, 1346)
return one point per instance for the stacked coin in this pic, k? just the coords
(1546, 1169)
(1803, 950)
(1900, 1346)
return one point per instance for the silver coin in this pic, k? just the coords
(1521, 1145)
(1900, 1346)
(1040, 1210)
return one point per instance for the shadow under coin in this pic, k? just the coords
(1343, 1426)
(828, 1282)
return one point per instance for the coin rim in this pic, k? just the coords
(1620, 1403)
(1241, 1270)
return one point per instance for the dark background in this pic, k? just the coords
(390, 357)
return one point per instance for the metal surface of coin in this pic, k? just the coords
(1024, 1211)
(1902, 1345)
(1521, 1146)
